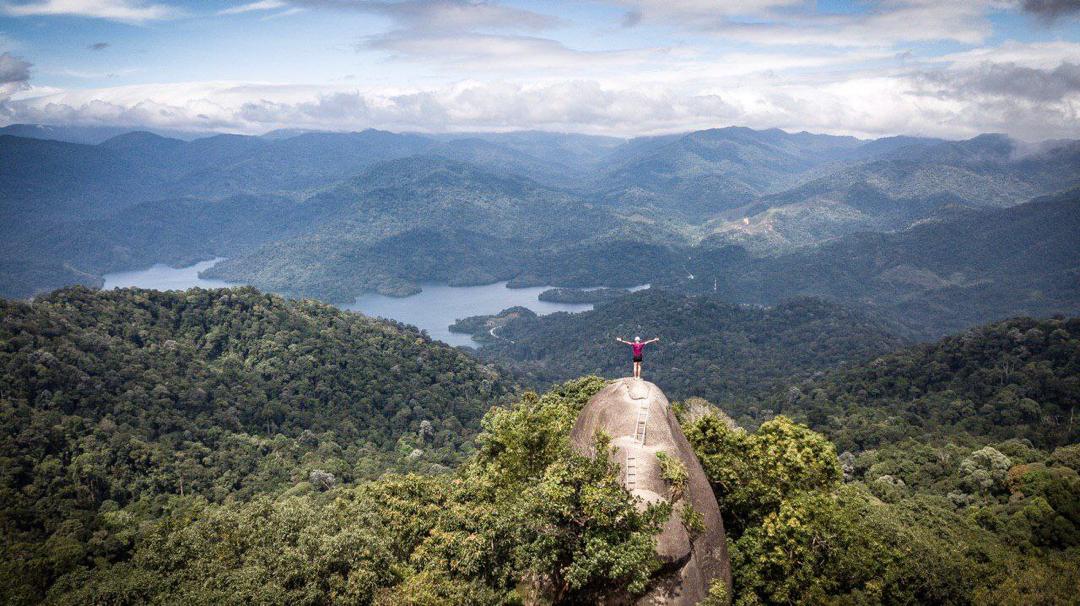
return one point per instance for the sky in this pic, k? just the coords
(868, 68)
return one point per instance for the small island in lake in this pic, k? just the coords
(578, 295)
(484, 329)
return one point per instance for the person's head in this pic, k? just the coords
(637, 339)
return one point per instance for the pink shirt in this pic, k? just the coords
(637, 348)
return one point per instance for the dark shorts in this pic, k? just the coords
(637, 358)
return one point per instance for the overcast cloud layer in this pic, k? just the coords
(622, 67)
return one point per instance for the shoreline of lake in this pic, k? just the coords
(433, 309)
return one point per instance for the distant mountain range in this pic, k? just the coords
(90, 135)
(962, 268)
(336, 214)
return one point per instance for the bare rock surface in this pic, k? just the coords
(637, 416)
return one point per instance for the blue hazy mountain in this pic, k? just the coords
(335, 214)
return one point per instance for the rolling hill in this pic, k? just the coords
(723, 352)
(934, 278)
(127, 400)
(336, 214)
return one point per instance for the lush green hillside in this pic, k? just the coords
(526, 519)
(71, 209)
(219, 446)
(115, 402)
(899, 188)
(177, 232)
(727, 353)
(935, 278)
(575, 295)
(419, 219)
(699, 174)
(1014, 379)
(910, 525)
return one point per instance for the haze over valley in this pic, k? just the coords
(747, 213)
(522, 303)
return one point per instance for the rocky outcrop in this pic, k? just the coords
(637, 417)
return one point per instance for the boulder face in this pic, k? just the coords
(638, 418)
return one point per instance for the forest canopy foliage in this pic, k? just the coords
(113, 402)
(709, 348)
(525, 514)
(234, 447)
(1014, 379)
(804, 527)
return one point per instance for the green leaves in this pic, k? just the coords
(133, 397)
(752, 473)
(580, 527)
(674, 472)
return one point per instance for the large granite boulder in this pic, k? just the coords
(637, 417)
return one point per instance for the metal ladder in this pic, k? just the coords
(642, 422)
(639, 437)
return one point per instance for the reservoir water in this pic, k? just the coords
(438, 306)
(433, 310)
(163, 277)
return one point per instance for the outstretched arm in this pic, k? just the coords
(653, 340)
(621, 341)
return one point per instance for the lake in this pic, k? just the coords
(433, 310)
(163, 277)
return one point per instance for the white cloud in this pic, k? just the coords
(697, 12)
(481, 71)
(14, 74)
(134, 11)
(1028, 54)
(261, 5)
(794, 22)
(737, 89)
(443, 15)
(469, 52)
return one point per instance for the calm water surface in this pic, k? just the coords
(163, 277)
(439, 306)
(433, 310)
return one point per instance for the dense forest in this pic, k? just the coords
(115, 402)
(1014, 379)
(941, 276)
(577, 295)
(233, 447)
(964, 525)
(527, 518)
(708, 348)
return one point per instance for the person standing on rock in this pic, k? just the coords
(638, 346)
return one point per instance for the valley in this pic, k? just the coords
(870, 345)
(432, 310)
(338, 215)
(533, 303)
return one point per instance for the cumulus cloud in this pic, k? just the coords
(950, 100)
(1051, 10)
(1007, 80)
(134, 11)
(794, 22)
(484, 66)
(14, 74)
